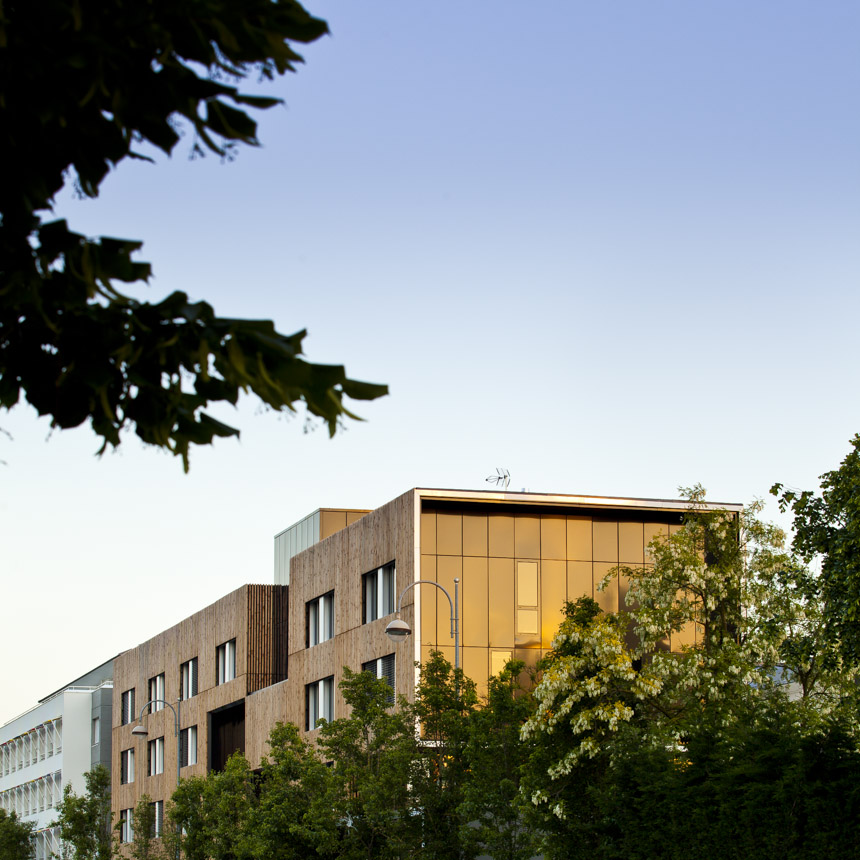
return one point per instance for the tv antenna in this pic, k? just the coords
(501, 478)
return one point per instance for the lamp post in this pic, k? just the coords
(398, 629)
(140, 731)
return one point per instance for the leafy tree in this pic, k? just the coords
(444, 702)
(492, 807)
(145, 845)
(606, 696)
(212, 813)
(83, 86)
(828, 525)
(289, 822)
(371, 753)
(15, 837)
(589, 691)
(85, 819)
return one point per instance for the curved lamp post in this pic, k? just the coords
(397, 630)
(141, 732)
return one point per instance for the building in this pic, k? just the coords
(52, 746)
(269, 653)
(197, 676)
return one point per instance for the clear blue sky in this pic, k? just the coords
(610, 246)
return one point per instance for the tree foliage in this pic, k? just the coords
(83, 86)
(620, 718)
(492, 808)
(85, 819)
(371, 753)
(828, 525)
(15, 837)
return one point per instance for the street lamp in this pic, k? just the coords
(141, 731)
(398, 629)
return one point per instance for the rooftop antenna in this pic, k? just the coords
(501, 478)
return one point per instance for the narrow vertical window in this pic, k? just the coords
(383, 668)
(320, 619)
(157, 818)
(128, 711)
(156, 693)
(188, 679)
(188, 746)
(378, 593)
(225, 662)
(126, 832)
(126, 766)
(319, 701)
(156, 756)
(95, 737)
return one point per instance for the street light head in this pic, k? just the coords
(140, 730)
(397, 630)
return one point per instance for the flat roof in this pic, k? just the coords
(570, 500)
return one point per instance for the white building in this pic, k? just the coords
(53, 745)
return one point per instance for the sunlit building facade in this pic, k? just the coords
(269, 653)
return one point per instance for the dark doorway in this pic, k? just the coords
(226, 734)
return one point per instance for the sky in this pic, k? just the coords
(611, 247)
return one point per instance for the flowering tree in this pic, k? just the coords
(611, 687)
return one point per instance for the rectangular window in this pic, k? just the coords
(225, 662)
(156, 756)
(188, 746)
(319, 698)
(383, 668)
(128, 712)
(378, 593)
(126, 766)
(156, 693)
(188, 679)
(95, 735)
(320, 619)
(157, 818)
(126, 832)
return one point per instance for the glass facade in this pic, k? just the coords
(516, 571)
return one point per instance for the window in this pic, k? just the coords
(320, 701)
(320, 618)
(225, 662)
(126, 831)
(95, 734)
(157, 818)
(126, 766)
(188, 746)
(188, 679)
(378, 593)
(156, 756)
(527, 597)
(128, 711)
(156, 693)
(383, 668)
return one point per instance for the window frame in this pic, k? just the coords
(157, 807)
(155, 756)
(186, 735)
(188, 679)
(319, 619)
(225, 659)
(383, 668)
(128, 713)
(319, 702)
(126, 766)
(377, 592)
(157, 692)
(126, 829)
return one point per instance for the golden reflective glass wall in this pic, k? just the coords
(516, 571)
